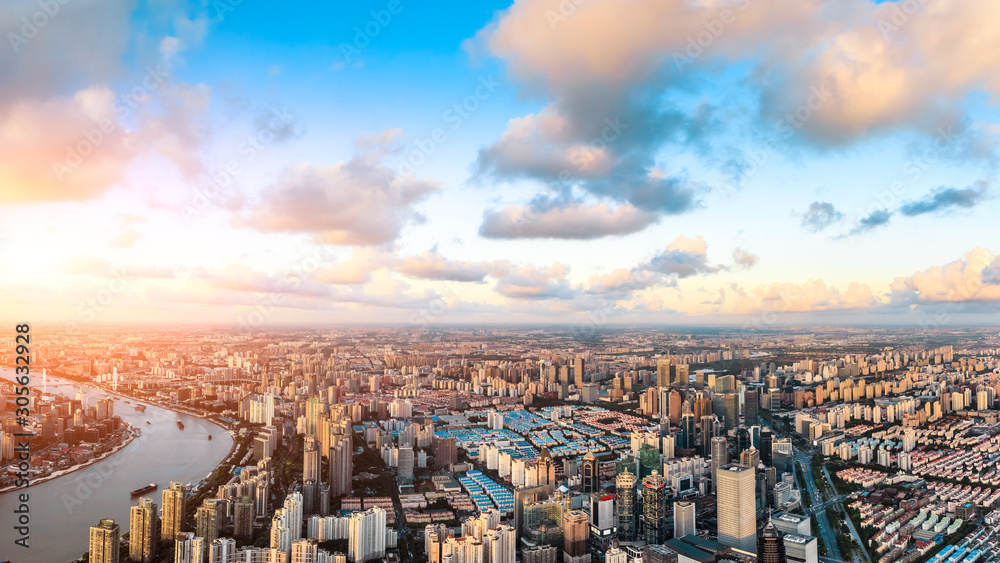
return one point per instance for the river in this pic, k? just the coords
(63, 510)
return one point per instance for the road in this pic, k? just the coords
(850, 524)
(826, 530)
(385, 472)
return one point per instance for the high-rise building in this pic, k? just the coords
(662, 373)
(405, 463)
(546, 468)
(602, 518)
(221, 550)
(367, 535)
(750, 457)
(654, 496)
(743, 439)
(674, 405)
(680, 374)
(770, 545)
(188, 548)
(311, 475)
(445, 451)
(720, 457)
(540, 554)
(341, 457)
(687, 431)
(766, 439)
(144, 531)
(731, 404)
(685, 516)
(625, 506)
(575, 534)
(209, 518)
(578, 372)
(737, 506)
(590, 473)
(751, 406)
(243, 517)
(708, 424)
(174, 507)
(105, 542)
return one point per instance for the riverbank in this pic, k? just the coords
(68, 470)
(162, 404)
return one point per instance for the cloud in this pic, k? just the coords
(621, 283)
(63, 148)
(534, 283)
(239, 277)
(126, 239)
(872, 221)
(784, 297)
(358, 201)
(971, 278)
(102, 268)
(357, 270)
(431, 265)
(827, 71)
(946, 199)
(77, 48)
(744, 258)
(684, 257)
(574, 221)
(820, 215)
(370, 140)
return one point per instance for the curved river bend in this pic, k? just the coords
(64, 509)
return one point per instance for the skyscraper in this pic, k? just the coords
(766, 439)
(208, 519)
(743, 439)
(625, 506)
(546, 468)
(341, 464)
(105, 542)
(662, 373)
(720, 457)
(243, 519)
(654, 496)
(144, 531)
(188, 549)
(731, 404)
(602, 515)
(590, 474)
(737, 506)
(405, 463)
(684, 518)
(687, 431)
(680, 374)
(174, 507)
(770, 545)
(366, 538)
(708, 424)
(575, 533)
(751, 406)
(310, 474)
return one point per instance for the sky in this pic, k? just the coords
(581, 162)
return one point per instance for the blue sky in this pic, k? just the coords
(416, 163)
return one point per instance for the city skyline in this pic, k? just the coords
(508, 281)
(403, 164)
